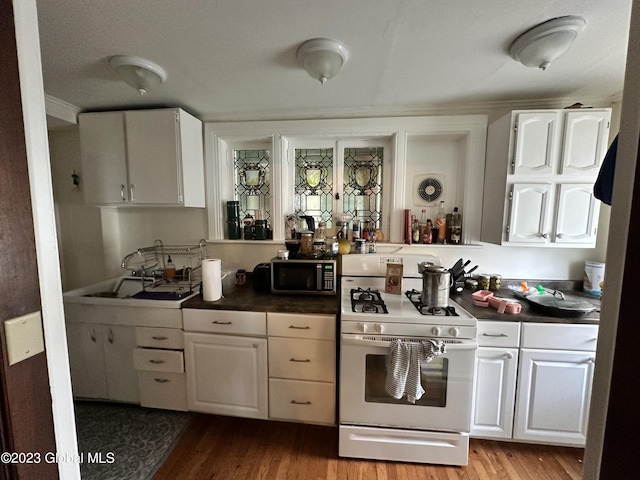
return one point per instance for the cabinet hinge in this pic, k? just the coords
(177, 116)
(510, 196)
(508, 228)
(515, 126)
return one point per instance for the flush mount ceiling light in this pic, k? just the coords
(322, 58)
(140, 73)
(542, 44)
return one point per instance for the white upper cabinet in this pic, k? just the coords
(586, 135)
(142, 157)
(536, 137)
(540, 169)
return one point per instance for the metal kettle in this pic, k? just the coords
(436, 282)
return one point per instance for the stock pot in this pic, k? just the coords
(436, 282)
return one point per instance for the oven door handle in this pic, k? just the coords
(461, 344)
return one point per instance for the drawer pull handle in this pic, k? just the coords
(162, 380)
(306, 360)
(299, 328)
(159, 337)
(216, 322)
(110, 338)
(495, 335)
(157, 362)
(295, 402)
(93, 335)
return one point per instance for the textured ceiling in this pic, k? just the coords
(235, 59)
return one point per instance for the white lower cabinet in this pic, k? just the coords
(101, 361)
(554, 383)
(533, 382)
(159, 363)
(226, 372)
(302, 367)
(494, 390)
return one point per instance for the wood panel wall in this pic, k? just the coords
(26, 417)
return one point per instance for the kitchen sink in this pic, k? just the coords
(129, 291)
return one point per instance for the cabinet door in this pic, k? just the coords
(585, 143)
(152, 151)
(86, 360)
(104, 157)
(122, 380)
(554, 395)
(494, 392)
(536, 142)
(226, 375)
(576, 214)
(529, 214)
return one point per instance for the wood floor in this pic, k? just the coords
(227, 448)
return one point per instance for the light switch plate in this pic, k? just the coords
(24, 337)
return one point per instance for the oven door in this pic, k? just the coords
(447, 381)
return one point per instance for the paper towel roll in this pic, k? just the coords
(211, 279)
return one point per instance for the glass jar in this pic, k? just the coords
(306, 243)
(483, 281)
(495, 281)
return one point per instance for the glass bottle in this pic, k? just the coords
(441, 223)
(423, 224)
(356, 227)
(427, 235)
(456, 227)
(415, 231)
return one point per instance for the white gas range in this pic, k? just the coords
(374, 424)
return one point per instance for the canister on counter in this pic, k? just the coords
(471, 284)
(361, 245)
(495, 281)
(483, 281)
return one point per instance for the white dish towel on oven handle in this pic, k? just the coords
(403, 366)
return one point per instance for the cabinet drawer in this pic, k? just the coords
(163, 390)
(302, 359)
(160, 338)
(498, 334)
(559, 336)
(301, 401)
(155, 360)
(225, 321)
(320, 327)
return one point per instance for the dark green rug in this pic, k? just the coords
(125, 442)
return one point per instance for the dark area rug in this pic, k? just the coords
(125, 442)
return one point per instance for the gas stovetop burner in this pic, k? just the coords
(416, 298)
(367, 301)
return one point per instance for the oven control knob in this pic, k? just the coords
(455, 331)
(379, 328)
(363, 327)
(436, 331)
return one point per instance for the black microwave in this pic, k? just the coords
(309, 276)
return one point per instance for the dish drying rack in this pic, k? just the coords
(152, 262)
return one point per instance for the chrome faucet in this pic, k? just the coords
(126, 259)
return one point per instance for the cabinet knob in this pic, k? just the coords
(436, 331)
(545, 235)
(559, 235)
(508, 355)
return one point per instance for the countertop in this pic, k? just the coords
(245, 298)
(528, 313)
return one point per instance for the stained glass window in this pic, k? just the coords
(314, 183)
(253, 182)
(363, 183)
